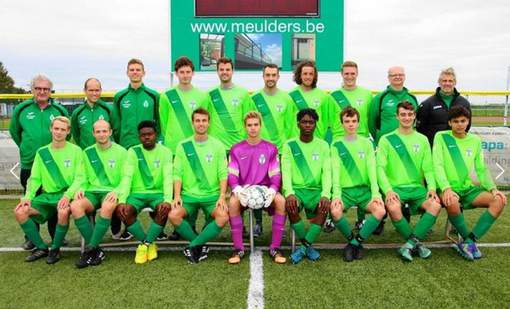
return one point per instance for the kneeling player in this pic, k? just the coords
(56, 169)
(255, 162)
(146, 182)
(103, 163)
(354, 183)
(306, 172)
(200, 182)
(457, 154)
(404, 163)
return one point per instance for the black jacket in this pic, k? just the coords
(432, 115)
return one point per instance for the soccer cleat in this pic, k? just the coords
(162, 236)
(463, 250)
(126, 235)
(36, 254)
(97, 257)
(358, 225)
(312, 254)
(423, 251)
(152, 252)
(236, 257)
(349, 252)
(277, 256)
(475, 252)
(117, 235)
(406, 252)
(329, 226)
(257, 230)
(53, 256)
(358, 254)
(85, 258)
(202, 252)
(174, 236)
(28, 245)
(141, 254)
(298, 255)
(189, 254)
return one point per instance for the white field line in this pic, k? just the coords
(256, 285)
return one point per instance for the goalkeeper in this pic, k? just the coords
(255, 162)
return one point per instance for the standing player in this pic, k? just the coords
(307, 95)
(306, 172)
(255, 162)
(354, 183)
(404, 163)
(228, 104)
(103, 163)
(56, 169)
(200, 182)
(84, 117)
(29, 130)
(456, 155)
(146, 182)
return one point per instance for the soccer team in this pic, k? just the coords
(187, 150)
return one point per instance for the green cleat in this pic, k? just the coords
(406, 252)
(423, 251)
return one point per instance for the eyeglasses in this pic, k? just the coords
(396, 75)
(41, 89)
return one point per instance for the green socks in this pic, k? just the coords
(460, 225)
(403, 228)
(424, 225)
(30, 229)
(137, 230)
(85, 228)
(60, 234)
(153, 232)
(102, 225)
(299, 228)
(184, 229)
(483, 225)
(210, 232)
(313, 232)
(369, 227)
(343, 226)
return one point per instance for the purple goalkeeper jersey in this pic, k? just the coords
(254, 165)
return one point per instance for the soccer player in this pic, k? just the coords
(306, 172)
(307, 95)
(381, 114)
(254, 161)
(227, 106)
(146, 183)
(29, 130)
(354, 183)
(84, 117)
(432, 114)
(56, 169)
(404, 163)
(456, 155)
(103, 163)
(200, 182)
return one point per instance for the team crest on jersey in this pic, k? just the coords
(52, 117)
(361, 154)
(235, 101)
(416, 147)
(157, 163)
(262, 159)
(126, 104)
(145, 103)
(208, 158)
(316, 102)
(101, 117)
(192, 104)
(359, 101)
(67, 163)
(83, 120)
(390, 102)
(469, 152)
(315, 156)
(279, 108)
(30, 115)
(111, 163)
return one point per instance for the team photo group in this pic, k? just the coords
(303, 155)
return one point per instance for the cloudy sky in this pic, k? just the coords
(72, 40)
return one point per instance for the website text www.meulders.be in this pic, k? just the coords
(266, 26)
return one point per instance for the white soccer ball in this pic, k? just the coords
(254, 196)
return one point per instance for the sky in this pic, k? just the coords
(72, 40)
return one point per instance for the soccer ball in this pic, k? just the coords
(254, 196)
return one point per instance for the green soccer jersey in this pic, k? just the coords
(306, 166)
(278, 116)
(147, 171)
(404, 161)
(456, 158)
(227, 109)
(353, 165)
(83, 119)
(56, 170)
(130, 107)
(317, 99)
(175, 108)
(382, 114)
(103, 168)
(359, 98)
(29, 128)
(200, 167)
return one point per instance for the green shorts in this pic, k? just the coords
(413, 197)
(192, 204)
(46, 205)
(356, 196)
(466, 197)
(145, 200)
(308, 199)
(95, 198)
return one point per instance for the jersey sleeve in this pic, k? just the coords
(79, 176)
(373, 115)
(326, 174)
(481, 170)
(130, 166)
(115, 122)
(233, 170)
(75, 128)
(290, 119)
(287, 171)
(274, 173)
(335, 171)
(163, 113)
(222, 163)
(178, 168)
(372, 169)
(168, 178)
(382, 163)
(35, 180)
(439, 166)
(15, 127)
(428, 167)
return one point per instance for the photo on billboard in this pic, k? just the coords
(212, 48)
(254, 50)
(277, 8)
(303, 47)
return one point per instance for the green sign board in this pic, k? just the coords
(256, 32)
